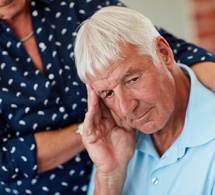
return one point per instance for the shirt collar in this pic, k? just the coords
(199, 126)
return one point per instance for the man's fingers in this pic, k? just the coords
(89, 88)
(92, 116)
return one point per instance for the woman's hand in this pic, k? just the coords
(205, 72)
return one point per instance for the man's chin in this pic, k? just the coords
(128, 127)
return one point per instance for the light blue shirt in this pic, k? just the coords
(188, 166)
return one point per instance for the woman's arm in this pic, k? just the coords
(57, 147)
(26, 156)
(205, 72)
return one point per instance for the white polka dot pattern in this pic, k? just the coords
(31, 101)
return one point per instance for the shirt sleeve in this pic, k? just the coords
(91, 185)
(213, 190)
(185, 52)
(17, 156)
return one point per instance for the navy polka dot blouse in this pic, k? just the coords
(32, 102)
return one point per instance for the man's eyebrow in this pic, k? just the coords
(129, 72)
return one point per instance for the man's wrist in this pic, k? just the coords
(110, 184)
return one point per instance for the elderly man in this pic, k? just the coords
(150, 124)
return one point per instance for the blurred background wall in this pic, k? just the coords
(193, 20)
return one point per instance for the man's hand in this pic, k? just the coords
(109, 145)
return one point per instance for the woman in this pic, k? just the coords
(42, 101)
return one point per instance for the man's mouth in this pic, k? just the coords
(142, 116)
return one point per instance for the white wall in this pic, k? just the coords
(173, 15)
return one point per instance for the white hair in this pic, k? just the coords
(98, 38)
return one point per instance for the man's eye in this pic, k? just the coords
(109, 94)
(133, 80)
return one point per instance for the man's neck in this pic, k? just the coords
(165, 137)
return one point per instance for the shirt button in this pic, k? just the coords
(155, 180)
(62, 109)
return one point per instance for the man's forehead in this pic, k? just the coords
(116, 70)
(102, 85)
(108, 74)
(127, 52)
(110, 82)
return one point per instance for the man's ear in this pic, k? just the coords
(164, 51)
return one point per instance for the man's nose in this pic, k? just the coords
(126, 101)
